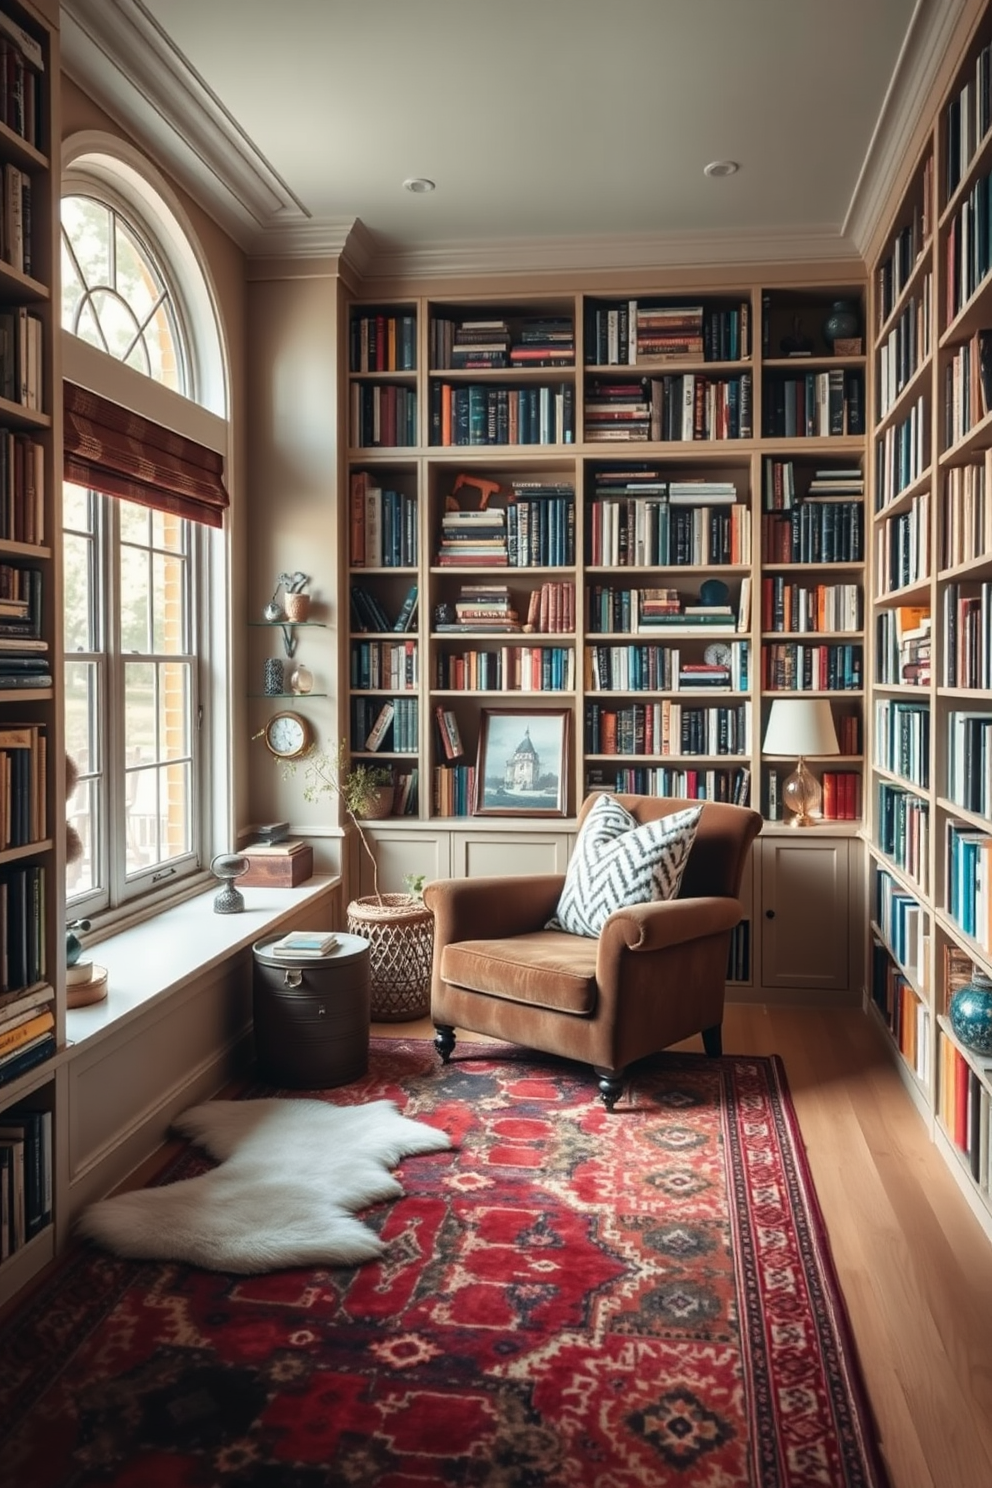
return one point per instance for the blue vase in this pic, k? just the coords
(842, 321)
(971, 1014)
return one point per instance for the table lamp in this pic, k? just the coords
(801, 726)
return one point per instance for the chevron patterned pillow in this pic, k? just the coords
(617, 861)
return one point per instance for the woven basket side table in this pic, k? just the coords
(400, 932)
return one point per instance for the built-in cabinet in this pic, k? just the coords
(929, 816)
(33, 1115)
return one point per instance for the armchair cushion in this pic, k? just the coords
(618, 862)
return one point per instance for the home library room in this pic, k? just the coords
(645, 509)
(929, 840)
(32, 771)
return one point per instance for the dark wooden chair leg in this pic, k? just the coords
(610, 1086)
(713, 1040)
(444, 1041)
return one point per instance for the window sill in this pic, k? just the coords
(149, 961)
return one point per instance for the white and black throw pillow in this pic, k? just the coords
(617, 861)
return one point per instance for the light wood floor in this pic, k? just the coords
(914, 1263)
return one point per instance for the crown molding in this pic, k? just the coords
(118, 53)
(634, 251)
(928, 37)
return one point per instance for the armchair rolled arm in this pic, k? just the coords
(652, 927)
(491, 908)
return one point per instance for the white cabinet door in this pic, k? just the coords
(508, 854)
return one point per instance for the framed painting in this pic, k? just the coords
(522, 766)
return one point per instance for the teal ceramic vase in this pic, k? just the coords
(971, 1014)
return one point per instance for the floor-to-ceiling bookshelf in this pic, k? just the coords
(931, 583)
(553, 472)
(32, 813)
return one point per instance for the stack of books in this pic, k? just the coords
(304, 945)
(544, 343)
(473, 537)
(483, 607)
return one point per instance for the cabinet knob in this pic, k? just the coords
(769, 914)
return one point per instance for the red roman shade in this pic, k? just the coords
(112, 450)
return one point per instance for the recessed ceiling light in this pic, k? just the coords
(721, 168)
(418, 184)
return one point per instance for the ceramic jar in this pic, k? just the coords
(842, 321)
(971, 1014)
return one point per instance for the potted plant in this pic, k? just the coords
(365, 791)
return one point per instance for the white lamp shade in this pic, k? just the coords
(801, 726)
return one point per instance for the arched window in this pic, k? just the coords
(136, 575)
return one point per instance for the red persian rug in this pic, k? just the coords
(569, 1298)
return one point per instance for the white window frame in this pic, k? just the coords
(112, 172)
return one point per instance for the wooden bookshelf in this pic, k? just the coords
(32, 860)
(931, 613)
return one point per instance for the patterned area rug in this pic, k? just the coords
(568, 1298)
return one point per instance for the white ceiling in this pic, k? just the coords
(559, 132)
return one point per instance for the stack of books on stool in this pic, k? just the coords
(304, 945)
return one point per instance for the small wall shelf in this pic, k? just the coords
(289, 629)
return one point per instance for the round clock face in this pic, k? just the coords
(288, 735)
(717, 655)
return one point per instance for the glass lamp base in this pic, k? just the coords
(803, 795)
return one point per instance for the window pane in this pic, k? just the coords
(175, 682)
(169, 607)
(135, 619)
(158, 816)
(140, 734)
(135, 523)
(81, 714)
(81, 813)
(78, 621)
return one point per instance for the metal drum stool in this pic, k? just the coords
(312, 1014)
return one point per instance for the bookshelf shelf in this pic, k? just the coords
(32, 1094)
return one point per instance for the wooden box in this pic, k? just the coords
(281, 866)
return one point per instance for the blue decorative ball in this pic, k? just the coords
(971, 1014)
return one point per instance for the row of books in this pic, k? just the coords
(672, 728)
(841, 795)
(25, 1174)
(967, 620)
(484, 414)
(638, 729)
(508, 669)
(963, 1108)
(903, 923)
(382, 342)
(969, 882)
(906, 347)
(646, 668)
(21, 357)
(902, 454)
(902, 547)
(967, 386)
(678, 407)
(792, 608)
(368, 614)
(22, 919)
(23, 777)
(535, 529)
(967, 119)
(902, 739)
(386, 664)
(814, 531)
(904, 831)
(816, 405)
(966, 505)
(383, 528)
(500, 342)
(905, 1015)
(732, 785)
(21, 97)
(632, 332)
(781, 490)
(390, 726)
(453, 790)
(628, 532)
(903, 646)
(16, 228)
(969, 760)
(652, 610)
(968, 247)
(22, 488)
(895, 271)
(382, 416)
(795, 666)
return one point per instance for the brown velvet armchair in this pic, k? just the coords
(655, 975)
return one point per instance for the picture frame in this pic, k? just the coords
(522, 762)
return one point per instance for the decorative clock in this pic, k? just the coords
(718, 654)
(288, 735)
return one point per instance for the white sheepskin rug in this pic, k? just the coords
(292, 1174)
